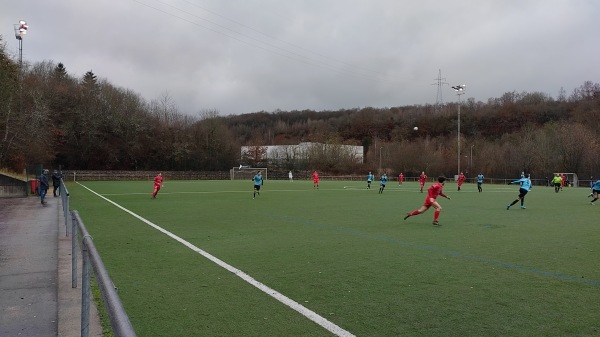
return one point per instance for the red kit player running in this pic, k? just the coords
(400, 179)
(158, 181)
(432, 192)
(461, 180)
(422, 180)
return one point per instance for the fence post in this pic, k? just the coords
(85, 291)
(73, 251)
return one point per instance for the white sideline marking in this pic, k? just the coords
(313, 316)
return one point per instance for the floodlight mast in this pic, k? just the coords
(460, 90)
(20, 31)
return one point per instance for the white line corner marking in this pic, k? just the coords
(313, 316)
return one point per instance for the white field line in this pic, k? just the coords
(313, 316)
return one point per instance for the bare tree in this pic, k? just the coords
(576, 141)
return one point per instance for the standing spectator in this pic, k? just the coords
(523, 190)
(557, 182)
(461, 180)
(44, 186)
(400, 178)
(315, 177)
(258, 182)
(479, 182)
(422, 180)
(383, 180)
(56, 177)
(431, 200)
(291, 176)
(370, 178)
(158, 182)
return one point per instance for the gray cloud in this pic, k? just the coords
(245, 56)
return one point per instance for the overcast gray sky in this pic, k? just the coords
(242, 56)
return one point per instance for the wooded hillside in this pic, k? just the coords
(52, 118)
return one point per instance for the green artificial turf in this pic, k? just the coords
(346, 253)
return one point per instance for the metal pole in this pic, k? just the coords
(381, 148)
(471, 159)
(459, 91)
(458, 136)
(21, 76)
(73, 251)
(85, 292)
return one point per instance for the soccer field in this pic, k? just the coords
(206, 259)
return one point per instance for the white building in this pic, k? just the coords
(301, 151)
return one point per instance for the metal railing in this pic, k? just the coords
(119, 321)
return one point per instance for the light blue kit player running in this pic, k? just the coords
(383, 181)
(370, 178)
(479, 181)
(525, 187)
(258, 181)
(595, 191)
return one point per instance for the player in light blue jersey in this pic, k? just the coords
(479, 181)
(525, 187)
(595, 191)
(370, 178)
(383, 181)
(258, 181)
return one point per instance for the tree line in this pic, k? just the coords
(50, 117)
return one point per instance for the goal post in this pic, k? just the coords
(571, 178)
(247, 173)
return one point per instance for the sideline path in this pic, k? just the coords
(36, 297)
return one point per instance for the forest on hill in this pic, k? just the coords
(52, 118)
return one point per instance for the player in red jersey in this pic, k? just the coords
(422, 180)
(158, 181)
(432, 192)
(400, 178)
(315, 177)
(461, 180)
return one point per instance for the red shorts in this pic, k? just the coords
(316, 181)
(428, 203)
(157, 188)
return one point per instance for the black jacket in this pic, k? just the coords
(56, 178)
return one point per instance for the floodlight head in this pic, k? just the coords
(22, 29)
(459, 87)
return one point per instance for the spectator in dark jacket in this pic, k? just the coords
(56, 177)
(44, 185)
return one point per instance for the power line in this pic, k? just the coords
(283, 41)
(266, 46)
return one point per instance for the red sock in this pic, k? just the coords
(414, 213)
(436, 215)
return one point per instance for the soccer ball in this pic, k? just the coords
(416, 128)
